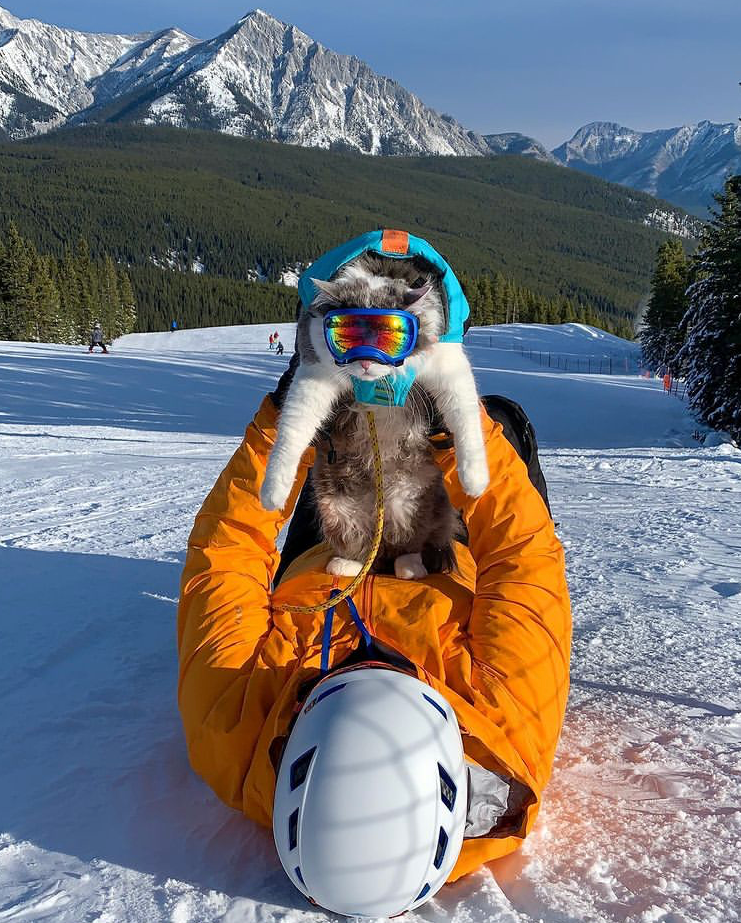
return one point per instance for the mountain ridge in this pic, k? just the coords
(260, 78)
(267, 79)
(684, 165)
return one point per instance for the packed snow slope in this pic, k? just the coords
(104, 463)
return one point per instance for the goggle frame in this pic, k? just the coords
(366, 351)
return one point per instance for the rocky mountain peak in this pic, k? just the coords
(684, 165)
(513, 142)
(7, 19)
(265, 78)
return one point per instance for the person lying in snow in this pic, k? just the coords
(403, 738)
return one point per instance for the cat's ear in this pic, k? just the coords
(328, 290)
(413, 295)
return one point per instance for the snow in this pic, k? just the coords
(104, 461)
(55, 65)
(7, 102)
(290, 275)
(674, 223)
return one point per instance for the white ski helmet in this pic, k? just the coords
(371, 795)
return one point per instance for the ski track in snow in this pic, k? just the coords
(105, 461)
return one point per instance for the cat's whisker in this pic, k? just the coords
(423, 403)
(421, 397)
(414, 407)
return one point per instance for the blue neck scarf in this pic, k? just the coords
(390, 391)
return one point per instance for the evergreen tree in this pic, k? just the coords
(554, 313)
(57, 325)
(712, 354)
(14, 289)
(87, 296)
(540, 315)
(67, 285)
(47, 300)
(661, 332)
(499, 296)
(568, 312)
(126, 317)
(44, 323)
(486, 301)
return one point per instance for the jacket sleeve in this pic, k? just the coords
(519, 633)
(224, 611)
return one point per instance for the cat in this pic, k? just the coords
(320, 408)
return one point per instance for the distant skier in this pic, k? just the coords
(271, 342)
(279, 349)
(173, 326)
(96, 338)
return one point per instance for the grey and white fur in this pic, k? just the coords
(420, 523)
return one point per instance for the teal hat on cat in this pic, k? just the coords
(391, 390)
(397, 245)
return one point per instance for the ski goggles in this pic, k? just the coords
(386, 336)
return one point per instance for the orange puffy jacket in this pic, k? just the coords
(493, 638)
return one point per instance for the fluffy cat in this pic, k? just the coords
(320, 407)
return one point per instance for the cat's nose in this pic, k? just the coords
(365, 365)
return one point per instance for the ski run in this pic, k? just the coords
(105, 461)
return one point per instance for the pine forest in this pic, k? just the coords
(205, 227)
(45, 299)
(692, 325)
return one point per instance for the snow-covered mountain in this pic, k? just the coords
(512, 142)
(261, 78)
(46, 72)
(267, 79)
(684, 165)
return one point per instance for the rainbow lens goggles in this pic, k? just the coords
(387, 336)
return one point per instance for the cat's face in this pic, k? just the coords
(361, 284)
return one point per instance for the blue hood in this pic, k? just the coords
(400, 246)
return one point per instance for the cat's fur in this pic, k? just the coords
(420, 523)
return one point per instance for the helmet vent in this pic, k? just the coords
(436, 705)
(323, 695)
(447, 788)
(297, 872)
(422, 892)
(293, 830)
(300, 768)
(442, 845)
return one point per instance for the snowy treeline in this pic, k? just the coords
(499, 300)
(46, 300)
(692, 326)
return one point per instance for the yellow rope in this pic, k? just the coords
(349, 590)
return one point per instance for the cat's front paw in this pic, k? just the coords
(275, 491)
(344, 567)
(474, 476)
(409, 567)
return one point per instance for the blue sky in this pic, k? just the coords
(543, 67)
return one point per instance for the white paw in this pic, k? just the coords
(344, 567)
(409, 567)
(275, 491)
(474, 476)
